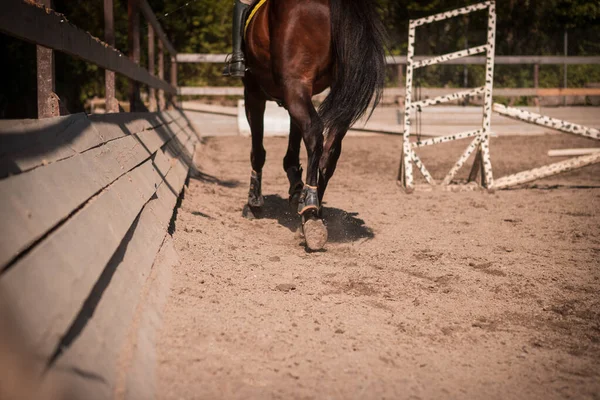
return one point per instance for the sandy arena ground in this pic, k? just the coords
(424, 296)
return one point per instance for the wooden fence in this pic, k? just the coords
(85, 203)
(397, 94)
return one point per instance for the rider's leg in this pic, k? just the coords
(237, 66)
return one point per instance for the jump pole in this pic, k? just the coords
(555, 168)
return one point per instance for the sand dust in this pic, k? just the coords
(422, 296)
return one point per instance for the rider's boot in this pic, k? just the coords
(236, 65)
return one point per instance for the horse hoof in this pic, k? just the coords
(315, 234)
(250, 212)
(256, 202)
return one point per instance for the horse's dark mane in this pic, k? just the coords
(358, 46)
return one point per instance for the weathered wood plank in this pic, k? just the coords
(140, 377)
(34, 202)
(400, 92)
(401, 60)
(47, 28)
(97, 350)
(49, 285)
(27, 144)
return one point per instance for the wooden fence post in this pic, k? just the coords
(173, 79)
(111, 105)
(536, 82)
(151, 67)
(161, 75)
(134, 52)
(47, 100)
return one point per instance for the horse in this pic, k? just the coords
(294, 50)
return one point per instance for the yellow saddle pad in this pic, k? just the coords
(252, 13)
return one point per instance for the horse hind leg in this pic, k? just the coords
(292, 167)
(308, 122)
(328, 163)
(255, 110)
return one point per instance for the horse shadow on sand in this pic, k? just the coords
(342, 226)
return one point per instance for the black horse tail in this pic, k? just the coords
(358, 49)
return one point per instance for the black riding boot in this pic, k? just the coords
(236, 65)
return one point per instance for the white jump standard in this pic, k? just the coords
(482, 136)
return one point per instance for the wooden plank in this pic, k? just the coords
(139, 380)
(568, 92)
(573, 152)
(26, 144)
(211, 91)
(400, 92)
(34, 202)
(50, 284)
(401, 60)
(507, 92)
(97, 350)
(45, 27)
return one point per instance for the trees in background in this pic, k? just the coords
(525, 27)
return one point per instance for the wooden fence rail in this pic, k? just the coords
(401, 60)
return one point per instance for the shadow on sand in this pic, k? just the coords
(342, 227)
(204, 177)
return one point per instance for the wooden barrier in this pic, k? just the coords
(85, 203)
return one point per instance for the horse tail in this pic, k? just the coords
(358, 42)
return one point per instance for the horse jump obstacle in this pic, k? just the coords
(555, 168)
(481, 140)
(482, 164)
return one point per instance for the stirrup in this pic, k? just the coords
(239, 72)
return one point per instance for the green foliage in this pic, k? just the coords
(525, 27)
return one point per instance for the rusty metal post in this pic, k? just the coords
(133, 13)
(47, 100)
(173, 79)
(111, 105)
(565, 70)
(400, 73)
(161, 75)
(400, 76)
(151, 68)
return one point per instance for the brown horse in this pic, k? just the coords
(294, 50)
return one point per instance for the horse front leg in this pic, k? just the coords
(255, 111)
